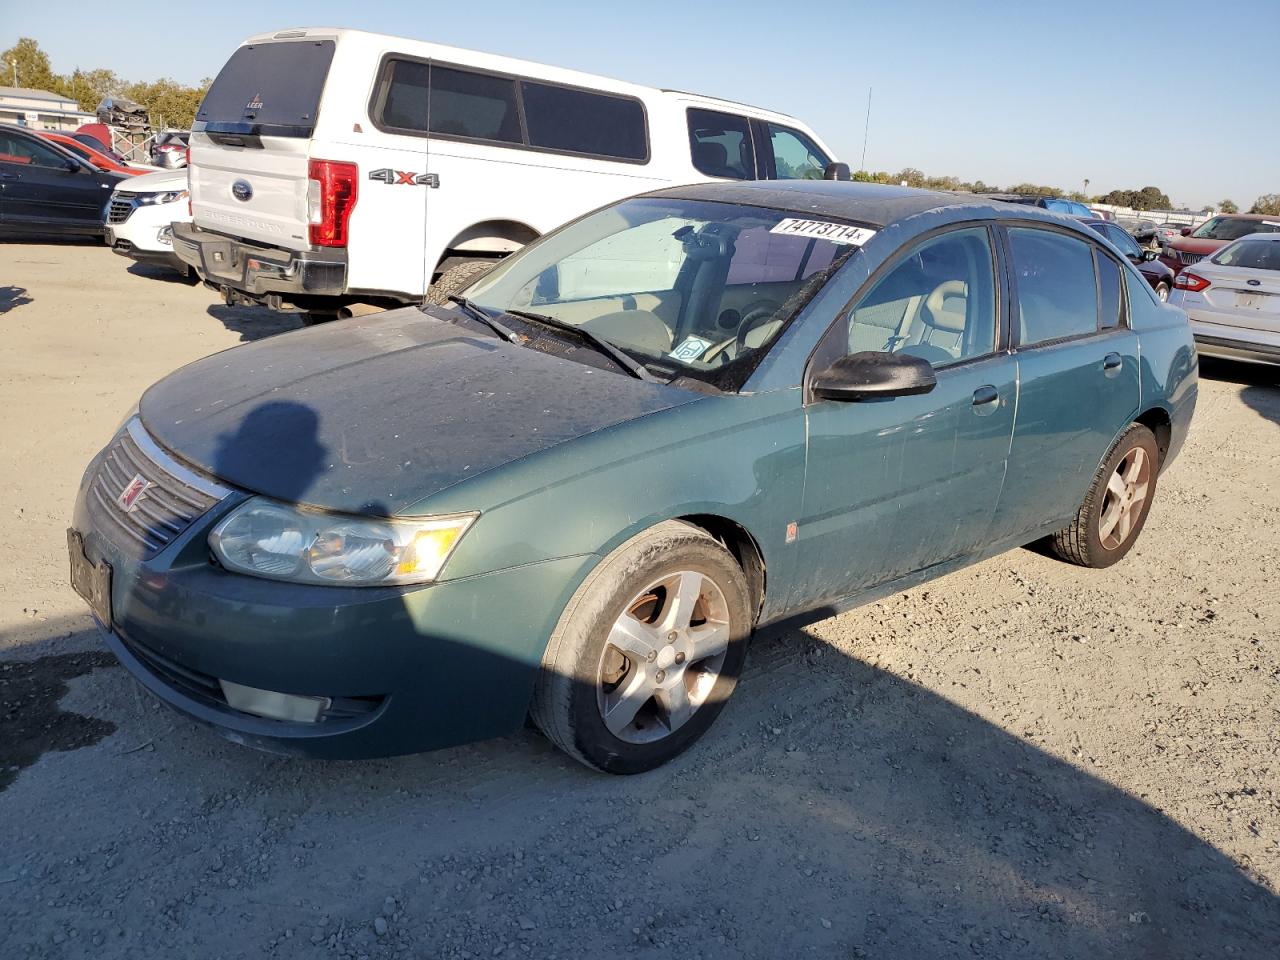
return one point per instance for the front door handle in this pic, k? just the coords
(985, 400)
(10, 176)
(1111, 364)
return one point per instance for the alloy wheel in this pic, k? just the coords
(1125, 498)
(663, 656)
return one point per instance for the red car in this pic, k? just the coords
(1211, 236)
(95, 157)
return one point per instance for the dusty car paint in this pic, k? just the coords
(564, 462)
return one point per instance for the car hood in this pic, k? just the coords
(162, 181)
(373, 415)
(1196, 245)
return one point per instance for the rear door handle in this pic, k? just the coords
(1112, 363)
(985, 400)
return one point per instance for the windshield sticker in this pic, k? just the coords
(823, 230)
(691, 349)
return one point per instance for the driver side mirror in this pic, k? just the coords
(872, 375)
(73, 166)
(1185, 231)
(1149, 255)
(837, 171)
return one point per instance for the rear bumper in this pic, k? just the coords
(1220, 335)
(259, 271)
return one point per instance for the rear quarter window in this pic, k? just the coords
(275, 86)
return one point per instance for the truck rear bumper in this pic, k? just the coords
(257, 271)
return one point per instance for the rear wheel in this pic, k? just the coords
(458, 276)
(647, 651)
(1116, 507)
(1162, 291)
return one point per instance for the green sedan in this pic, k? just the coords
(576, 492)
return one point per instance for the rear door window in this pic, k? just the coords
(458, 103)
(1057, 293)
(275, 86)
(580, 121)
(796, 156)
(720, 144)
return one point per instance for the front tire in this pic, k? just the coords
(647, 651)
(459, 276)
(1162, 291)
(1117, 504)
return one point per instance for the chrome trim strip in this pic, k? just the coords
(156, 454)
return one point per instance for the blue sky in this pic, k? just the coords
(1174, 94)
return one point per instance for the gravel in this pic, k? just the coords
(1022, 760)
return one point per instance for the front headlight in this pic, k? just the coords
(172, 196)
(264, 538)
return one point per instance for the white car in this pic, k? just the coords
(1233, 300)
(141, 214)
(331, 167)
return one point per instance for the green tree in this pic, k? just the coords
(1035, 189)
(910, 176)
(1228, 206)
(26, 65)
(1268, 203)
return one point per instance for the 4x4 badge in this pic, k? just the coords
(397, 177)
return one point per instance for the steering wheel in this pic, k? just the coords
(758, 314)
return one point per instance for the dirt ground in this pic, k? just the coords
(1022, 760)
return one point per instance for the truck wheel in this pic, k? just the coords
(457, 277)
(1115, 508)
(646, 652)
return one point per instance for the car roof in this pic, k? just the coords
(874, 204)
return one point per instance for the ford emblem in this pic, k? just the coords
(242, 191)
(1254, 283)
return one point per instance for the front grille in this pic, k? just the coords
(171, 497)
(119, 211)
(1184, 257)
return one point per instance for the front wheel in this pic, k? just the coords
(1116, 507)
(647, 651)
(458, 276)
(1162, 291)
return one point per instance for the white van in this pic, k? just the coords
(333, 167)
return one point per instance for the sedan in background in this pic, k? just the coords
(1192, 246)
(45, 189)
(1166, 233)
(1233, 300)
(574, 492)
(96, 157)
(169, 149)
(1144, 231)
(1156, 273)
(141, 215)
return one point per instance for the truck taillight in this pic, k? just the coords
(331, 196)
(1187, 280)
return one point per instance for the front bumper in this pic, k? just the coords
(256, 271)
(404, 669)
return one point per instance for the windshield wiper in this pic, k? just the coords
(616, 354)
(473, 311)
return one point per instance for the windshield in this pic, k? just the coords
(687, 287)
(1233, 228)
(1250, 254)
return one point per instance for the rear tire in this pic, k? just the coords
(1117, 504)
(313, 318)
(458, 276)
(647, 651)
